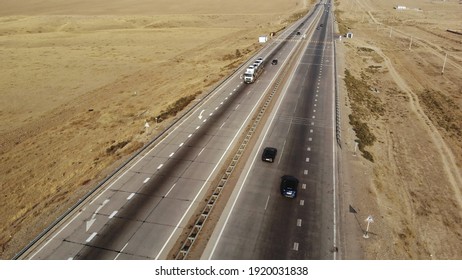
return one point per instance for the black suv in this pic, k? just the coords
(289, 185)
(274, 62)
(269, 154)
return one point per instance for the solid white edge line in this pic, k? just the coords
(170, 190)
(121, 250)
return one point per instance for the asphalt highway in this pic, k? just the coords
(140, 212)
(260, 223)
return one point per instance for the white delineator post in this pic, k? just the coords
(369, 220)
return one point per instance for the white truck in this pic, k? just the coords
(253, 71)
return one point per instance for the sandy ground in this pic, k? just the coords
(413, 188)
(79, 80)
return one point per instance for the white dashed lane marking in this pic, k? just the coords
(113, 214)
(91, 237)
(170, 190)
(130, 196)
(146, 180)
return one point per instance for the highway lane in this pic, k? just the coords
(140, 212)
(262, 224)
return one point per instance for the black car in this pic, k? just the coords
(274, 62)
(269, 154)
(298, 33)
(289, 186)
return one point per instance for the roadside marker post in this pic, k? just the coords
(369, 220)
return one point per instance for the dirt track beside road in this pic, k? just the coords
(413, 186)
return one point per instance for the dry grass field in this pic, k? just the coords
(407, 116)
(80, 79)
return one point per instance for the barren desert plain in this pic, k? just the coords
(80, 79)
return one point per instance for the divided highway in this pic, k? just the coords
(140, 212)
(259, 223)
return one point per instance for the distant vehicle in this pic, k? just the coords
(274, 62)
(298, 32)
(317, 28)
(289, 186)
(269, 154)
(322, 25)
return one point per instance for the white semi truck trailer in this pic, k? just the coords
(253, 71)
